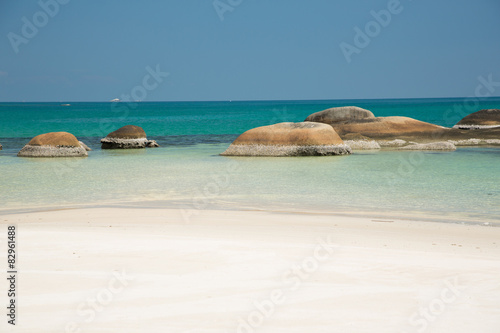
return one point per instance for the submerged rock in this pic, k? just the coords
(487, 118)
(127, 137)
(54, 144)
(289, 139)
(430, 146)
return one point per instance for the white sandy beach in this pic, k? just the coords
(148, 270)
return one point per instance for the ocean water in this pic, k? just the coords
(187, 172)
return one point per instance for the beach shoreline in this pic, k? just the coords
(188, 208)
(242, 271)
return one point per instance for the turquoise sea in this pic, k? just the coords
(187, 172)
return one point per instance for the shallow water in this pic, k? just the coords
(187, 171)
(456, 186)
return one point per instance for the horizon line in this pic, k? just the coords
(253, 100)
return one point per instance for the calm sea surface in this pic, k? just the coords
(186, 172)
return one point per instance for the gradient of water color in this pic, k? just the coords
(187, 171)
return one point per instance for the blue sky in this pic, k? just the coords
(262, 49)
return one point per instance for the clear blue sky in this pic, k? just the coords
(96, 50)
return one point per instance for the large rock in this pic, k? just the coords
(487, 118)
(55, 144)
(340, 115)
(127, 137)
(389, 128)
(289, 139)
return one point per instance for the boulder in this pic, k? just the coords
(391, 128)
(55, 144)
(430, 146)
(340, 115)
(487, 118)
(127, 137)
(289, 139)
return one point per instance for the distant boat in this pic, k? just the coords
(115, 100)
(65, 104)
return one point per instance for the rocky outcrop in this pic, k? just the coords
(55, 144)
(289, 139)
(488, 118)
(341, 115)
(397, 131)
(430, 146)
(353, 120)
(127, 137)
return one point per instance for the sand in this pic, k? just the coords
(151, 270)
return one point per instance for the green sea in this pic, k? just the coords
(187, 172)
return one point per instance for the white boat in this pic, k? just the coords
(115, 100)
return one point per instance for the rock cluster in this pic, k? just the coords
(359, 126)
